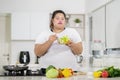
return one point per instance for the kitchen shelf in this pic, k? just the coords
(72, 24)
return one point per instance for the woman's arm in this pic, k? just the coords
(41, 49)
(76, 48)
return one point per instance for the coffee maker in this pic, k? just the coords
(24, 57)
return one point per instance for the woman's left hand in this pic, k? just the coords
(69, 43)
(75, 47)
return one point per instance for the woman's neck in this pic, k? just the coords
(57, 30)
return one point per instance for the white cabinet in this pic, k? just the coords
(39, 22)
(98, 25)
(27, 26)
(20, 26)
(106, 24)
(113, 24)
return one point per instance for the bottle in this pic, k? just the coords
(98, 47)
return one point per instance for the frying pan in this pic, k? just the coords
(15, 68)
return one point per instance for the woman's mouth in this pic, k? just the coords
(59, 23)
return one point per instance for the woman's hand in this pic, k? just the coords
(69, 43)
(41, 49)
(75, 47)
(52, 38)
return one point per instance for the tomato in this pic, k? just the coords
(105, 74)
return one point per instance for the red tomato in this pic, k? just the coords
(105, 74)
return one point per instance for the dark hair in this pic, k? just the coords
(53, 15)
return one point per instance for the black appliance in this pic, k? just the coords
(24, 57)
(38, 72)
(14, 70)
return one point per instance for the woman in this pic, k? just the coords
(49, 49)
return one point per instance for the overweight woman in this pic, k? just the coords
(51, 51)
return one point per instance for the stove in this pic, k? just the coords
(14, 70)
(38, 72)
(14, 73)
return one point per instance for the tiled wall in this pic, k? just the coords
(17, 46)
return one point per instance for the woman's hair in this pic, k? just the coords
(53, 16)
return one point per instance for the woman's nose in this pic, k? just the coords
(60, 21)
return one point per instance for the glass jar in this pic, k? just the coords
(98, 48)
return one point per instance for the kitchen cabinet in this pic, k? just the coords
(20, 26)
(38, 23)
(98, 26)
(113, 25)
(106, 25)
(27, 26)
(97, 37)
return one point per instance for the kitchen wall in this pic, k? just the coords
(92, 5)
(44, 6)
(25, 45)
(69, 6)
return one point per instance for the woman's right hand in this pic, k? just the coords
(52, 38)
(41, 49)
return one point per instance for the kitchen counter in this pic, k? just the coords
(81, 77)
(87, 76)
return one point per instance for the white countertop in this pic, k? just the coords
(81, 77)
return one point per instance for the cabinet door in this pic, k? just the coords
(39, 23)
(113, 24)
(20, 26)
(98, 25)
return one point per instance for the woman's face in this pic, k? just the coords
(59, 21)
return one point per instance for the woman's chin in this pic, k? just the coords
(60, 27)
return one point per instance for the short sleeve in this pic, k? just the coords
(43, 36)
(75, 36)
